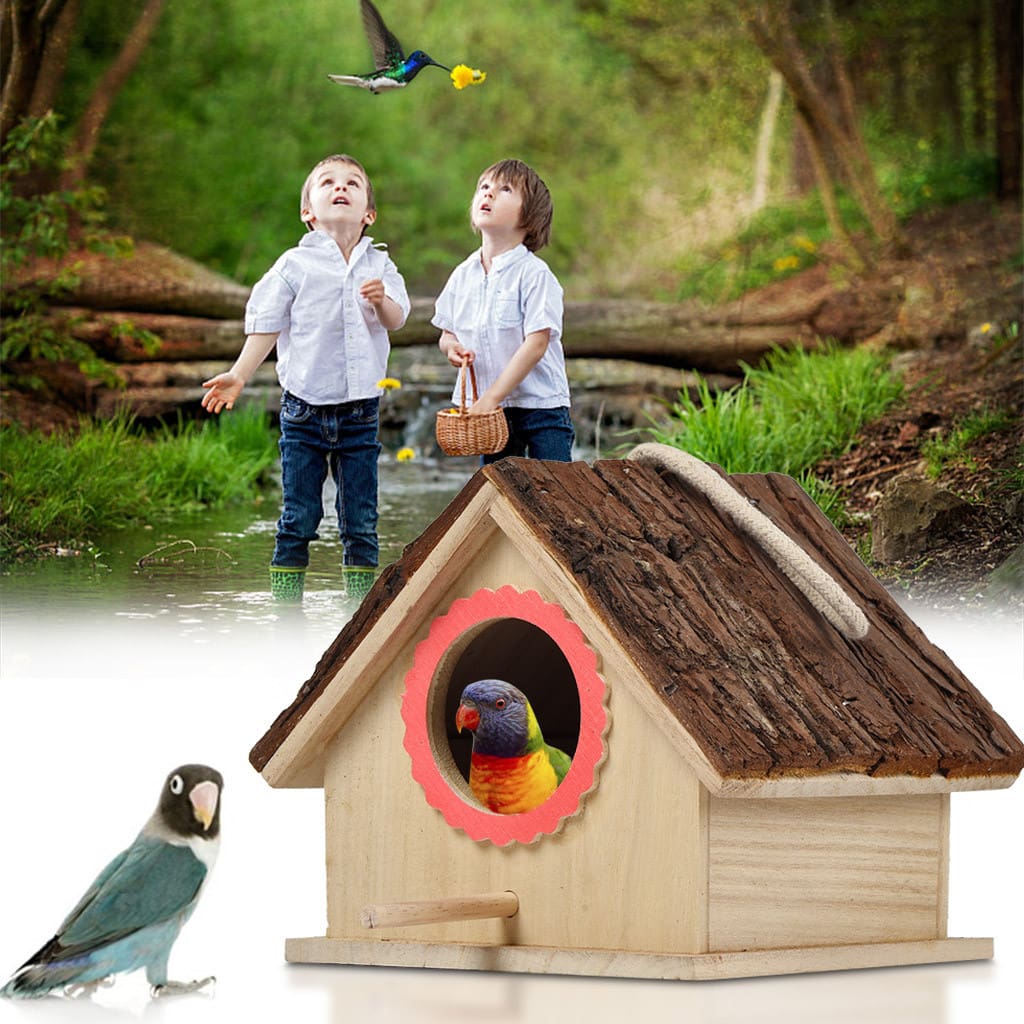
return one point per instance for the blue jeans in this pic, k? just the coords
(315, 438)
(538, 434)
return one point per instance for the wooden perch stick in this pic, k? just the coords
(456, 908)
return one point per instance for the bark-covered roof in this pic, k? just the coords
(763, 684)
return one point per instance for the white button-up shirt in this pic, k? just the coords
(492, 314)
(332, 347)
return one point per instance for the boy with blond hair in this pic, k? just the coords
(327, 304)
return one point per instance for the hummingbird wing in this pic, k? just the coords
(387, 50)
(357, 80)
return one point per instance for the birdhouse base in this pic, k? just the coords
(621, 964)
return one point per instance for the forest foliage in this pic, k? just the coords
(642, 115)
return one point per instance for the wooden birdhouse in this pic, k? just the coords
(763, 745)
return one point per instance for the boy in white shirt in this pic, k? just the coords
(501, 310)
(327, 305)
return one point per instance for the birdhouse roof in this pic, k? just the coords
(764, 695)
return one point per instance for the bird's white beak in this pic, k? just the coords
(203, 798)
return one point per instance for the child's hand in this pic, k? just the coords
(373, 292)
(222, 391)
(457, 355)
(482, 406)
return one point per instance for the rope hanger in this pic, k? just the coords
(818, 586)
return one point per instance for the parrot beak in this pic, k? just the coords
(204, 802)
(467, 717)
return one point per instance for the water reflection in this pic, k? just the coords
(208, 571)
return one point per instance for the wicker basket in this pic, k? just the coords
(458, 433)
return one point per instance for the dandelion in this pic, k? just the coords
(787, 263)
(389, 384)
(985, 328)
(462, 75)
(405, 455)
(805, 243)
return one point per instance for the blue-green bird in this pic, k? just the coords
(131, 915)
(392, 69)
(511, 769)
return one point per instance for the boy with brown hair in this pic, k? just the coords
(501, 310)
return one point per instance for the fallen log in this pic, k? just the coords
(197, 314)
(121, 336)
(611, 329)
(151, 279)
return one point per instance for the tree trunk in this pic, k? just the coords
(802, 178)
(896, 73)
(54, 60)
(1007, 26)
(880, 214)
(772, 31)
(98, 107)
(977, 76)
(949, 108)
(24, 26)
(766, 132)
(828, 196)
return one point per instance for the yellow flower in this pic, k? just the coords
(787, 263)
(985, 328)
(463, 76)
(405, 455)
(389, 383)
(805, 243)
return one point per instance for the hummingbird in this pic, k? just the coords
(393, 69)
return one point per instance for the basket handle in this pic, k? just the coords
(466, 365)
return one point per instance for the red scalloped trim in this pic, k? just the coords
(465, 614)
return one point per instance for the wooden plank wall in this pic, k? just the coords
(827, 871)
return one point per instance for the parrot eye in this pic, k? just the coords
(177, 785)
(499, 703)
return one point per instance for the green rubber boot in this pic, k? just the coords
(358, 580)
(286, 584)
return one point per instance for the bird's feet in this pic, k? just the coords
(180, 988)
(87, 989)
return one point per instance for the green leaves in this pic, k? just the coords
(787, 415)
(122, 476)
(44, 222)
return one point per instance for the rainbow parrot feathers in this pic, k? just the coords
(512, 769)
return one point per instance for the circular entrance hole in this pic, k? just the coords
(525, 656)
(530, 643)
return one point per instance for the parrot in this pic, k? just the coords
(132, 913)
(512, 769)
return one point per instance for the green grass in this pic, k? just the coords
(781, 240)
(67, 487)
(955, 445)
(787, 414)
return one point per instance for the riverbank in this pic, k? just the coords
(976, 557)
(950, 311)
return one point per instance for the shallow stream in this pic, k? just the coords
(208, 571)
